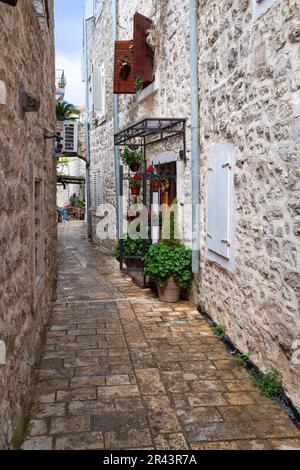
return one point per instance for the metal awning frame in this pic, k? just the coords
(160, 129)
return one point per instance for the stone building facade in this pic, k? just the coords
(248, 70)
(27, 201)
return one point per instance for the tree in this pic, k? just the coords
(66, 111)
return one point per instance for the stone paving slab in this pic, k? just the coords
(121, 370)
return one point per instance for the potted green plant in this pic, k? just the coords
(132, 158)
(169, 265)
(135, 185)
(124, 67)
(139, 82)
(131, 247)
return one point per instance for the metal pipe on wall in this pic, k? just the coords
(116, 126)
(87, 136)
(195, 123)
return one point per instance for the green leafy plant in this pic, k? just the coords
(270, 383)
(166, 259)
(80, 205)
(131, 157)
(66, 111)
(131, 247)
(220, 331)
(139, 82)
(243, 359)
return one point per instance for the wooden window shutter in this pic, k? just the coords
(121, 86)
(143, 54)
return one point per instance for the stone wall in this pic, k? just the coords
(26, 61)
(249, 92)
(100, 51)
(249, 96)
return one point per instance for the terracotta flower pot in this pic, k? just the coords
(125, 70)
(135, 190)
(170, 292)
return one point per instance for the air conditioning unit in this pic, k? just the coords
(70, 137)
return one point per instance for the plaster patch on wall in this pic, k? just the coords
(259, 8)
(2, 92)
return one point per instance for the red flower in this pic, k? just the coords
(150, 168)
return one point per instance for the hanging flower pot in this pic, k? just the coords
(125, 71)
(135, 190)
(124, 67)
(135, 185)
(132, 158)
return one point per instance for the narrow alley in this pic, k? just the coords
(120, 370)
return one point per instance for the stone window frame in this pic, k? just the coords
(38, 279)
(260, 7)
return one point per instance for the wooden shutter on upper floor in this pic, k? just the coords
(121, 86)
(143, 54)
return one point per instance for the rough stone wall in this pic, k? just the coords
(171, 99)
(26, 60)
(101, 49)
(249, 91)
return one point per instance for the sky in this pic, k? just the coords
(68, 45)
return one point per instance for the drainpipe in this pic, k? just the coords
(116, 123)
(195, 133)
(87, 136)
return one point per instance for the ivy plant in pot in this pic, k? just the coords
(135, 185)
(131, 247)
(169, 265)
(132, 158)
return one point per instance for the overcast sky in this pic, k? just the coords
(68, 43)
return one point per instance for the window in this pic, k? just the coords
(260, 7)
(97, 190)
(99, 90)
(220, 205)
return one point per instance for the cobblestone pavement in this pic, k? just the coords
(120, 370)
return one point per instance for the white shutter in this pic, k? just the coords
(211, 238)
(94, 190)
(220, 200)
(70, 137)
(103, 89)
(99, 89)
(99, 188)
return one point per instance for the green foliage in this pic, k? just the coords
(169, 259)
(242, 359)
(131, 157)
(131, 247)
(139, 81)
(220, 331)
(80, 205)
(66, 111)
(270, 383)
